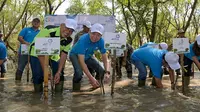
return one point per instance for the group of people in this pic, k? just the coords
(80, 51)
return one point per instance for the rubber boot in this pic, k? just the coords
(18, 75)
(150, 74)
(141, 83)
(129, 75)
(153, 82)
(76, 87)
(2, 75)
(186, 81)
(38, 88)
(59, 87)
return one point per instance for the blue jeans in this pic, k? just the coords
(141, 68)
(95, 65)
(3, 68)
(78, 72)
(22, 61)
(38, 76)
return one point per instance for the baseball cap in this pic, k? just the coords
(97, 28)
(71, 23)
(172, 60)
(163, 45)
(181, 31)
(87, 24)
(198, 39)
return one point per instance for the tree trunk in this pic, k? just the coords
(153, 28)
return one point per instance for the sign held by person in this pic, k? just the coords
(181, 45)
(47, 46)
(24, 49)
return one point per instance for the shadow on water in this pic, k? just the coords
(19, 97)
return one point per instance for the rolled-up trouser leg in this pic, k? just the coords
(187, 73)
(37, 74)
(78, 73)
(142, 72)
(36, 70)
(54, 66)
(129, 69)
(22, 62)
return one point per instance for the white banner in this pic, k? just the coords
(107, 21)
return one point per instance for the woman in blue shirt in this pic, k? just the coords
(189, 58)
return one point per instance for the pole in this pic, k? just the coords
(113, 72)
(46, 69)
(114, 57)
(182, 68)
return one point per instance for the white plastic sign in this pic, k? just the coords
(47, 46)
(24, 49)
(114, 40)
(181, 45)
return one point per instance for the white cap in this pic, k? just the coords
(163, 45)
(87, 24)
(173, 60)
(71, 23)
(97, 28)
(198, 39)
(181, 31)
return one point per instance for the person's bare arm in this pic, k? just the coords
(1, 62)
(93, 81)
(105, 62)
(196, 61)
(63, 58)
(22, 41)
(171, 75)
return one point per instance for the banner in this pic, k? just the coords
(107, 21)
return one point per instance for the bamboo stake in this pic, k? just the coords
(46, 74)
(113, 72)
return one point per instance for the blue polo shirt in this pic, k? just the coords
(3, 51)
(191, 53)
(28, 34)
(86, 47)
(151, 57)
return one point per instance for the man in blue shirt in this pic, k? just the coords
(82, 54)
(26, 36)
(189, 58)
(2, 66)
(3, 52)
(155, 59)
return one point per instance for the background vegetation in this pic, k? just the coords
(141, 20)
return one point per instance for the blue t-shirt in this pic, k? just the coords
(191, 53)
(3, 51)
(28, 34)
(86, 47)
(151, 57)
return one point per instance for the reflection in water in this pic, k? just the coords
(19, 97)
